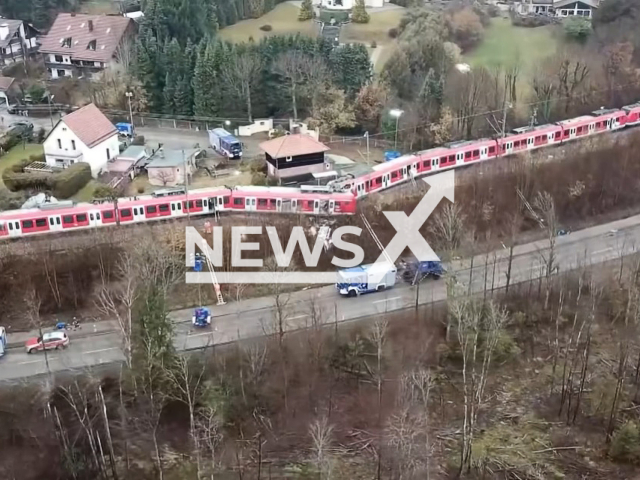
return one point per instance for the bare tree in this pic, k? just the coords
(209, 429)
(294, 66)
(186, 379)
(242, 74)
(547, 219)
(321, 432)
(448, 226)
(126, 53)
(118, 300)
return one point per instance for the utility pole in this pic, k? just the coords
(186, 185)
(534, 117)
(49, 97)
(129, 95)
(366, 134)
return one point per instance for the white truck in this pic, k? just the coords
(366, 279)
(225, 144)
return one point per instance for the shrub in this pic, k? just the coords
(40, 135)
(104, 191)
(393, 33)
(306, 11)
(625, 444)
(266, 28)
(8, 142)
(10, 200)
(138, 140)
(70, 180)
(359, 13)
(577, 28)
(37, 158)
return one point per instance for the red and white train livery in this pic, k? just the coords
(70, 217)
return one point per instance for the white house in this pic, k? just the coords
(347, 4)
(85, 135)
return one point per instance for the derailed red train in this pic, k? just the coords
(63, 217)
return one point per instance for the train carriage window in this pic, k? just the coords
(199, 203)
(579, 130)
(97, 216)
(107, 215)
(503, 147)
(91, 217)
(163, 208)
(81, 217)
(151, 209)
(41, 222)
(557, 135)
(379, 180)
(180, 206)
(394, 174)
(516, 143)
(262, 202)
(238, 201)
(173, 207)
(425, 164)
(452, 158)
(492, 149)
(67, 219)
(125, 212)
(51, 221)
(1, 227)
(27, 224)
(272, 202)
(226, 200)
(476, 153)
(10, 226)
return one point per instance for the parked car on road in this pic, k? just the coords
(21, 129)
(48, 341)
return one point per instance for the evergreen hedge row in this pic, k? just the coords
(63, 184)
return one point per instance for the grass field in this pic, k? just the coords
(377, 29)
(85, 194)
(505, 44)
(283, 20)
(16, 154)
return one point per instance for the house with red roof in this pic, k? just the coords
(294, 155)
(82, 46)
(85, 135)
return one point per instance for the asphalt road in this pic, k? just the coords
(99, 344)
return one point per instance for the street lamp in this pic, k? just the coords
(227, 123)
(396, 113)
(129, 95)
(49, 98)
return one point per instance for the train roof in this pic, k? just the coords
(287, 192)
(571, 121)
(602, 112)
(467, 143)
(534, 128)
(632, 106)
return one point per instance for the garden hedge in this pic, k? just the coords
(63, 184)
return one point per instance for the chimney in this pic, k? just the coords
(91, 25)
(4, 31)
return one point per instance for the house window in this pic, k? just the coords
(73, 144)
(58, 59)
(92, 45)
(61, 73)
(108, 154)
(66, 43)
(60, 144)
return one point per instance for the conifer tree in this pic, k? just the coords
(359, 13)
(306, 11)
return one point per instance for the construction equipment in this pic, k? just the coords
(199, 262)
(415, 271)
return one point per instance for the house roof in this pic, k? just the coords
(90, 125)
(292, 146)
(564, 3)
(107, 33)
(164, 158)
(13, 25)
(5, 83)
(133, 152)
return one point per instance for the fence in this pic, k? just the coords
(374, 142)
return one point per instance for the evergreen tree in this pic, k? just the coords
(183, 99)
(351, 68)
(205, 82)
(306, 11)
(169, 94)
(359, 13)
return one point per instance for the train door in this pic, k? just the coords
(484, 153)
(386, 180)
(94, 219)
(294, 205)
(279, 205)
(609, 124)
(332, 206)
(415, 169)
(530, 142)
(176, 209)
(360, 191)
(138, 214)
(404, 173)
(550, 137)
(316, 206)
(14, 228)
(592, 128)
(572, 132)
(459, 158)
(219, 204)
(508, 148)
(55, 223)
(250, 204)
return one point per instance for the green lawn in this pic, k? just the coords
(16, 154)
(505, 45)
(283, 20)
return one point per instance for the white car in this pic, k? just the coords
(48, 341)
